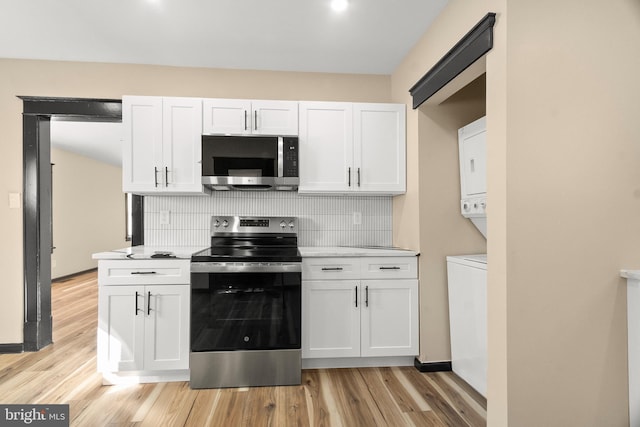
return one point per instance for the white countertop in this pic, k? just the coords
(145, 252)
(341, 251)
(185, 252)
(630, 274)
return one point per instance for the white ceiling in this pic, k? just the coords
(370, 37)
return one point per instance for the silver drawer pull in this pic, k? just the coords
(389, 268)
(331, 268)
(143, 272)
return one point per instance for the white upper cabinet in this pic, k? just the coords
(326, 146)
(352, 148)
(379, 148)
(162, 145)
(142, 144)
(249, 117)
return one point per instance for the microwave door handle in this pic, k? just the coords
(280, 156)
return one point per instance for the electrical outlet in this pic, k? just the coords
(357, 218)
(165, 218)
(14, 200)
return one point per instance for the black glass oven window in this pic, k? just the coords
(239, 156)
(245, 311)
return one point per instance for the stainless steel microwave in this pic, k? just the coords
(250, 162)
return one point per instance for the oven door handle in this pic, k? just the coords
(218, 267)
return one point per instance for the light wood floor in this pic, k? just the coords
(65, 372)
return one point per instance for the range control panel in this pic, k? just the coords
(237, 224)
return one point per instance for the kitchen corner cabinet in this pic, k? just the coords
(354, 148)
(162, 145)
(359, 307)
(143, 320)
(249, 117)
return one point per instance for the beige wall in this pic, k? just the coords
(443, 230)
(88, 211)
(89, 80)
(564, 204)
(572, 207)
(428, 217)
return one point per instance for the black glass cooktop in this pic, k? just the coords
(247, 254)
(250, 249)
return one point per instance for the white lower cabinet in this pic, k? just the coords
(389, 318)
(143, 328)
(330, 319)
(358, 318)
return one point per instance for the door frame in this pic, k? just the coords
(37, 242)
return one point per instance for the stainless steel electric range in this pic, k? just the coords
(245, 304)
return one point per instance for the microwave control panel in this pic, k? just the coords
(290, 157)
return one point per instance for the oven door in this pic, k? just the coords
(245, 307)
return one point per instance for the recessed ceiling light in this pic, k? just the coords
(339, 5)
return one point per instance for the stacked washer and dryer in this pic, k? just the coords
(467, 274)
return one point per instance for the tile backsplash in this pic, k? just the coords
(322, 220)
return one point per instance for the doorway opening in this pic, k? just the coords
(37, 207)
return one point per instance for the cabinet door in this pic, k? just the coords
(274, 118)
(182, 147)
(330, 319)
(390, 318)
(326, 147)
(380, 148)
(142, 144)
(166, 327)
(120, 328)
(226, 116)
(472, 144)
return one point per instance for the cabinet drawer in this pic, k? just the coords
(330, 268)
(144, 272)
(389, 268)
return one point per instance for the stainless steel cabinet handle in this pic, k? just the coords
(143, 272)
(155, 176)
(245, 119)
(137, 309)
(149, 303)
(255, 120)
(331, 268)
(366, 296)
(390, 268)
(166, 176)
(349, 176)
(358, 177)
(356, 297)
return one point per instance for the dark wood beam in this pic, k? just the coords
(477, 42)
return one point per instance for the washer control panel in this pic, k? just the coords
(473, 207)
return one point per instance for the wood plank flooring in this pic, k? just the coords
(65, 372)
